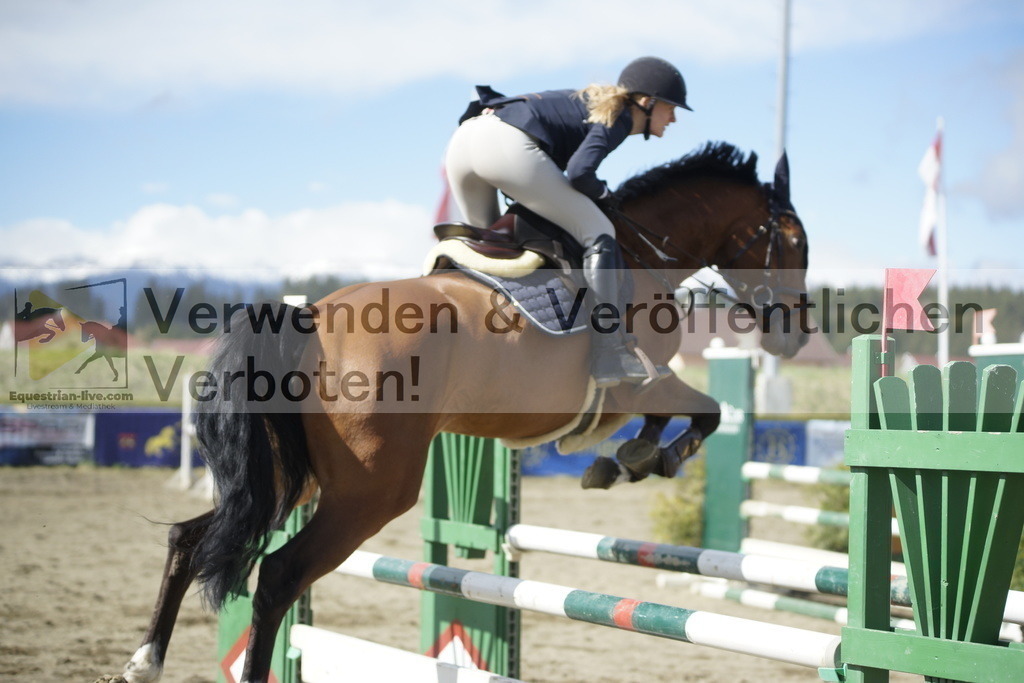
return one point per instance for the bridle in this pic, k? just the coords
(764, 293)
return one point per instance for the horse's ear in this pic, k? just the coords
(781, 183)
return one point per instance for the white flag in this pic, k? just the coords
(930, 170)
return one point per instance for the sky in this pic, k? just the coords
(239, 137)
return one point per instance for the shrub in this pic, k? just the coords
(679, 517)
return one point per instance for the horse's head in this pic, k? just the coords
(709, 208)
(765, 263)
(58, 319)
(86, 332)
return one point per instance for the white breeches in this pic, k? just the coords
(486, 154)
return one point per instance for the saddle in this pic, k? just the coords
(514, 236)
(533, 263)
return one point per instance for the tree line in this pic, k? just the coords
(839, 307)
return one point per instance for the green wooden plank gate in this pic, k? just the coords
(471, 496)
(948, 453)
(731, 383)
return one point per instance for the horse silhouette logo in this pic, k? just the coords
(111, 342)
(45, 327)
(44, 322)
(56, 334)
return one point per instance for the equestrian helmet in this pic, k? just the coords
(657, 78)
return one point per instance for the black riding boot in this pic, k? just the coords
(612, 361)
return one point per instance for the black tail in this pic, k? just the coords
(254, 444)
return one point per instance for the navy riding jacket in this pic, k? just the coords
(557, 119)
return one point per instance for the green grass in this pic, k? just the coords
(678, 517)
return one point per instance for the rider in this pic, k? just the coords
(26, 312)
(543, 150)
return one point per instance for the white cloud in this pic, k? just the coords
(373, 240)
(113, 52)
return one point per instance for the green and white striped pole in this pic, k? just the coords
(779, 643)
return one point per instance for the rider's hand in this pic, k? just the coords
(608, 201)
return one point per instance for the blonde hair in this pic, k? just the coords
(604, 102)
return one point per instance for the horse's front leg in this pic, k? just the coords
(638, 454)
(686, 444)
(147, 664)
(642, 456)
(87, 361)
(633, 460)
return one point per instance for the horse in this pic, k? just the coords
(358, 432)
(40, 322)
(111, 342)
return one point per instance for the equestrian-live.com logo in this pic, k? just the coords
(76, 337)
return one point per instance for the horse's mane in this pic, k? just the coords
(714, 159)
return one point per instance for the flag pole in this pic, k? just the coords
(772, 393)
(770, 364)
(943, 257)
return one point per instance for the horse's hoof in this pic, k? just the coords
(603, 473)
(670, 459)
(668, 464)
(692, 446)
(639, 456)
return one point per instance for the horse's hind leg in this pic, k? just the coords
(338, 527)
(110, 362)
(365, 481)
(147, 663)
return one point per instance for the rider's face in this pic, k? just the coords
(663, 114)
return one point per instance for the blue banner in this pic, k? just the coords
(139, 439)
(781, 442)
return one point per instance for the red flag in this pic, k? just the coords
(902, 309)
(930, 171)
(447, 211)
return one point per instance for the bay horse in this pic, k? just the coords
(111, 342)
(450, 358)
(40, 322)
